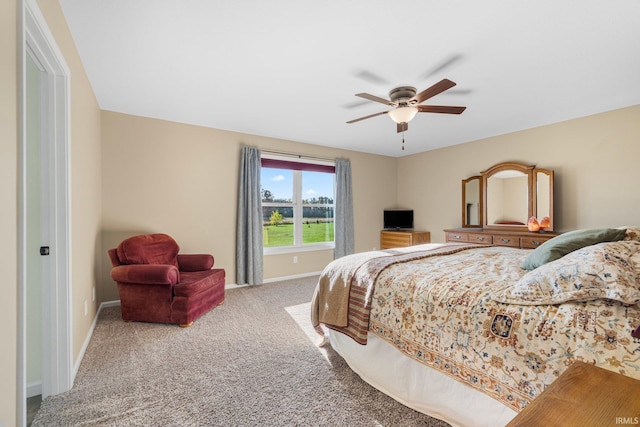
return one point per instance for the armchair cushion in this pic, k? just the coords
(149, 249)
(194, 282)
(160, 274)
(195, 262)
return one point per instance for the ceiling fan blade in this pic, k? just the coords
(372, 77)
(404, 126)
(437, 88)
(442, 65)
(459, 92)
(440, 109)
(374, 98)
(367, 117)
(356, 104)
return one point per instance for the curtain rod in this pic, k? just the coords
(299, 156)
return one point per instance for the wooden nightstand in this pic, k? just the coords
(398, 239)
(584, 395)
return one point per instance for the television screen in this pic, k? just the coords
(398, 219)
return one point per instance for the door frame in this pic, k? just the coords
(36, 40)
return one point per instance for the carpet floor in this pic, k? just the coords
(249, 362)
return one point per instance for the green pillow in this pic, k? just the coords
(565, 243)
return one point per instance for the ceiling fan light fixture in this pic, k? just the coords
(403, 114)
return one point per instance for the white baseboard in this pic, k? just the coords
(274, 279)
(106, 304)
(34, 388)
(76, 366)
(295, 276)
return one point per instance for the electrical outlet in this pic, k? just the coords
(86, 307)
(295, 259)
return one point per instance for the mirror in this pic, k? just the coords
(514, 192)
(543, 183)
(506, 195)
(472, 202)
(508, 202)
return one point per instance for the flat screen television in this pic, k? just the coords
(398, 219)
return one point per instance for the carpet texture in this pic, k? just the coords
(245, 363)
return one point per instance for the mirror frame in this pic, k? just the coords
(520, 167)
(480, 202)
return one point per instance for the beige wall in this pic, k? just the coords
(161, 176)
(595, 160)
(8, 208)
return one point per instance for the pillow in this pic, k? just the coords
(149, 249)
(565, 243)
(602, 271)
(632, 233)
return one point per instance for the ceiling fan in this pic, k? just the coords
(406, 103)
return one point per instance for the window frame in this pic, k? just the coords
(297, 167)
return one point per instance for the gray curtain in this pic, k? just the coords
(249, 228)
(344, 210)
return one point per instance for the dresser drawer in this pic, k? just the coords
(533, 242)
(485, 239)
(400, 239)
(457, 237)
(499, 237)
(395, 240)
(506, 240)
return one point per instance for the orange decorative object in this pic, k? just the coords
(533, 225)
(545, 223)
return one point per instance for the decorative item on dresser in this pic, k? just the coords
(500, 203)
(397, 239)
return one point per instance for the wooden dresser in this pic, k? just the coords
(398, 239)
(583, 396)
(511, 238)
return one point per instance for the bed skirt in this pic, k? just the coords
(417, 386)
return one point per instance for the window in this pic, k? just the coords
(297, 205)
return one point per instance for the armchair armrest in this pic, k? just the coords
(195, 262)
(147, 274)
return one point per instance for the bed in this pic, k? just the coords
(465, 334)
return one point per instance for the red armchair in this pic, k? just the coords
(156, 284)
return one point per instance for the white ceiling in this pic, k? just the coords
(290, 68)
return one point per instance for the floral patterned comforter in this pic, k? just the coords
(444, 312)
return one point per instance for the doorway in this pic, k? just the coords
(34, 237)
(44, 285)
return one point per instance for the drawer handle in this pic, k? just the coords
(505, 240)
(535, 243)
(457, 236)
(481, 239)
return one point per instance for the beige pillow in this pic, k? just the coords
(602, 271)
